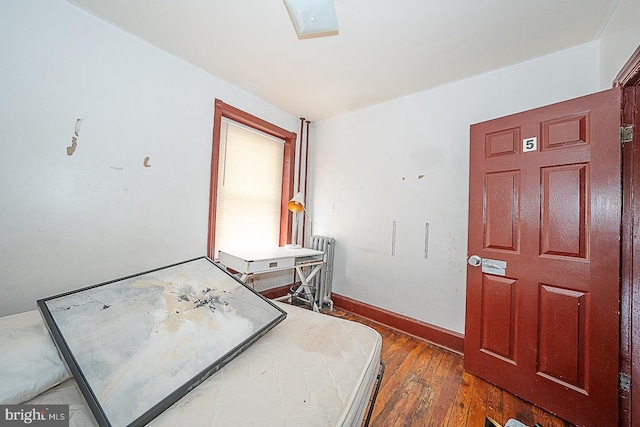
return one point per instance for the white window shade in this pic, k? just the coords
(249, 188)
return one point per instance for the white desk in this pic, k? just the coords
(256, 261)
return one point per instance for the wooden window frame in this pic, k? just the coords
(225, 110)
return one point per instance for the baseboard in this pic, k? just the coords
(272, 293)
(441, 337)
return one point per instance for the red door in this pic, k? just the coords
(542, 316)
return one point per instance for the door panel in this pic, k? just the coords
(565, 307)
(502, 204)
(498, 328)
(547, 330)
(564, 210)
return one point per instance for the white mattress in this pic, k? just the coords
(310, 370)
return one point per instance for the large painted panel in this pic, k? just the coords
(136, 345)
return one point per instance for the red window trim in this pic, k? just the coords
(237, 115)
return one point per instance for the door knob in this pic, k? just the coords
(474, 261)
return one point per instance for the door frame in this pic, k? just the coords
(629, 80)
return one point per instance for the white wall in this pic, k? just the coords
(99, 214)
(407, 161)
(619, 40)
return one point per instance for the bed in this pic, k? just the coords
(311, 369)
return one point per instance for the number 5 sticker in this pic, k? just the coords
(530, 144)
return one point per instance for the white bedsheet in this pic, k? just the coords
(310, 370)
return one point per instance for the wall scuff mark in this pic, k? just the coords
(426, 240)
(393, 239)
(74, 140)
(146, 162)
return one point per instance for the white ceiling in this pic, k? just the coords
(385, 49)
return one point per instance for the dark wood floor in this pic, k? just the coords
(425, 385)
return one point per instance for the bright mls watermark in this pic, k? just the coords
(34, 415)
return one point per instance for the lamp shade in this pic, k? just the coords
(313, 18)
(296, 204)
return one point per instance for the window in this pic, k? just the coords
(251, 181)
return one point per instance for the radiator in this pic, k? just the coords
(321, 282)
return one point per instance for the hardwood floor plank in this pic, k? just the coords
(524, 412)
(495, 408)
(409, 391)
(447, 383)
(403, 380)
(459, 413)
(509, 405)
(545, 419)
(390, 383)
(425, 393)
(478, 402)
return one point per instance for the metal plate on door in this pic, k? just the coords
(494, 266)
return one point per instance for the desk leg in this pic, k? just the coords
(304, 286)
